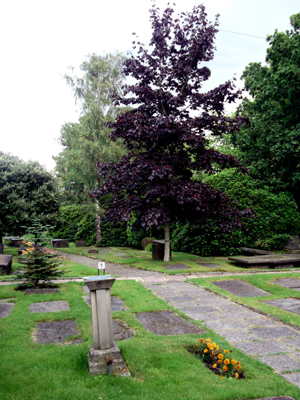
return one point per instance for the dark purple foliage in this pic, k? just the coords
(165, 143)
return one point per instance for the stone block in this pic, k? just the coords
(5, 264)
(158, 250)
(97, 360)
(293, 244)
(59, 243)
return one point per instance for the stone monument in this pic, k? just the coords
(104, 355)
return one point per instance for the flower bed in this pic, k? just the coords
(219, 361)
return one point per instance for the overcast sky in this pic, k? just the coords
(41, 38)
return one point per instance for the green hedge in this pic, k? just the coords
(277, 218)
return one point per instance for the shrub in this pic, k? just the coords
(277, 218)
(113, 235)
(146, 241)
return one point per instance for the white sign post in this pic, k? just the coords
(101, 265)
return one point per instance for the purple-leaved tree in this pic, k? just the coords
(165, 129)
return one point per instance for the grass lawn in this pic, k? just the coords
(160, 366)
(143, 259)
(265, 282)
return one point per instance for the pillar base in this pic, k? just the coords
(97, 360)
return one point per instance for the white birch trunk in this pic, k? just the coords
(167, 255)
(98, 222)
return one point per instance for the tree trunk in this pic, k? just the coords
(98, 222)
(167, 255)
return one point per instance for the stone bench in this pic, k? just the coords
(5, 264)
(158, 250)
(248, 251)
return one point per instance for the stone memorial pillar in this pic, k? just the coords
(104, 355)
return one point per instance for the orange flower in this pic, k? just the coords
(214, 345)
(226, 361)
(220, 361)
(239, 367)
(236, 375)
(225, 368)
(220, 356)
(215, 366)
(200, 340)
(205, 350)
(207, 340)
(233, 362)
(226, 351)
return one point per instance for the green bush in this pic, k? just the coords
(113, 235)
(277, 218)
(77, 222)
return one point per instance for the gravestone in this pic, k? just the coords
(270, 260)
(241, 288)
(158, 250)
(167, 323)
(16, 242)
(49, 306)
(290, 283)
(80, 243)
(209, 265)
(176, 267)
(56, 332)
(92, 251)
(5, 264)
(293, 244)
(5, 309)
(59, 243)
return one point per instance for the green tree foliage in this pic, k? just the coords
(39, 266)
(271, 142)
(78, 223)
(27, 190)
(87, 142)
(276, 219)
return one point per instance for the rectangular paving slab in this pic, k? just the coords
(241, 288)
(275, 332)
(167, 323)
(176, 267)
(49, 306)
(5, 309)
(55, 332)
(290, 304)
(281, 362)
(264, 347)
(291, 283)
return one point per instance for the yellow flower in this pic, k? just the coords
(207, 340)
(24, 252)
(236, 375)
(205, 350)
(226, 351)
(220, 356)
(214, 345)
(215, 366)
(220, 361)
(223, 377)
(226, 361)
(217, 348)
(233, 362)
(225, 368)
(209, 346)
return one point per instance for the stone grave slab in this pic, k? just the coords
(291, 304)
(290, 283)
(275, 332)
(49, 306)
(93, 251)
(270, 260)
(120, 254)
(167, 323)
(121, 331)
(209, 265)
(241, 288)
(5, 264)
(175, 267)
(5, 309)
(40, 291)
(55, 332)
(264, 347)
